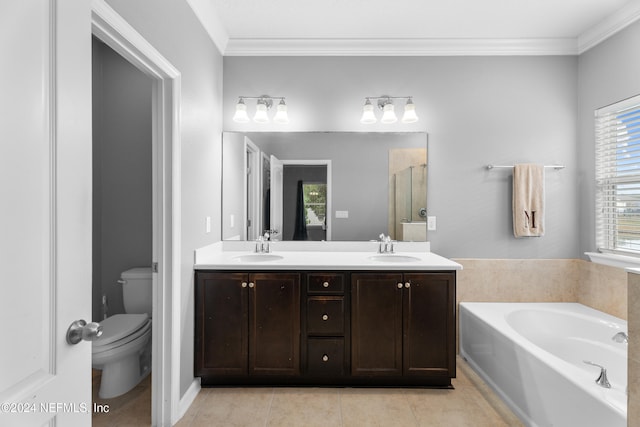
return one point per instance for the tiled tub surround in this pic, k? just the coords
(633, 411)
(544, 280)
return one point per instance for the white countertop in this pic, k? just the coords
(320, 256)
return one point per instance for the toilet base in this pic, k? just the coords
(122, 375)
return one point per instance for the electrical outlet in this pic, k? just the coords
(431, 223)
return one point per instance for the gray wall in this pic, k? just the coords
(172, 28)
(476, 110)
(122, 216)
(601, 82)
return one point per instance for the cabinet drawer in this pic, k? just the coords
(325, 356)
(325, 315)
(325, 283)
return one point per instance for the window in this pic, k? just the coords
(618, 177)
(315, 203)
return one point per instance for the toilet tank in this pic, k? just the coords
(137, 290)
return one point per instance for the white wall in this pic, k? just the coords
(122, 189)
(173, 29)
(476, 110)
(608, 73)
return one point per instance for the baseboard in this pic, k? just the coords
(187, 398)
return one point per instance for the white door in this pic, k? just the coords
(45, 211)
(277, 172)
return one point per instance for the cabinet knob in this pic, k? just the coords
(325, 317)
(399, 285)
(244, 284)
(325, 358)
(407, 285)
(251, 284)
(325, 284)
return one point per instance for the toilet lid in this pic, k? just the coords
(118, 326)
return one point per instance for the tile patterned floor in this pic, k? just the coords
(472, 403)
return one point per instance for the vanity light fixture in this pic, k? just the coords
(263, 104)
(385, 103)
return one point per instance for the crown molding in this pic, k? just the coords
(210, 20)
(399, 47)
(608, 27)
(208, 16)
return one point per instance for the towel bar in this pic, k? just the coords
(557, 167)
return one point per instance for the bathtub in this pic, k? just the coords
(532, 355)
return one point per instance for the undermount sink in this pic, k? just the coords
(258, 258)
(393, 258)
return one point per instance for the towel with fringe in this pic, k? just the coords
(528, 200)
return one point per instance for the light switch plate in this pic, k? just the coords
(207, 222)
(431, 223)
(342, 214)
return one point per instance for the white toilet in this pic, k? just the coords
(123, 351)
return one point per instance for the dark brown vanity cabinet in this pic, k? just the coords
(326, 326)
(247, 324)
(403, 325)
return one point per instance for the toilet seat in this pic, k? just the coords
(121, 329)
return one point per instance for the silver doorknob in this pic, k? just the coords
(81, 330)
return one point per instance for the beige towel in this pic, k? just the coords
(528, 200)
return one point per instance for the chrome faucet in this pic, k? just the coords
(602, 380)
(621, 337)
(386, 244)
(262, 244)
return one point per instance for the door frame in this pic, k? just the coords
(116, 33)
(326, 163)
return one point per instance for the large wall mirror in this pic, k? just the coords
(348, 186)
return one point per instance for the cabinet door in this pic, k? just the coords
(221, 324)
(274, 324)
(376, 321)
(429, 325)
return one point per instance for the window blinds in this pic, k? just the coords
(618, 177)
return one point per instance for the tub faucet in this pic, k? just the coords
(602, 380)
(621, 337)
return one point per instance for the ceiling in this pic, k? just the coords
(412, 27)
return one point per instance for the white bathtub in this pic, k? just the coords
(532, 355)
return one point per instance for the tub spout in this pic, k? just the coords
(621, 337)
(602, 380)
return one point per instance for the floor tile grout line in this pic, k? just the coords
(266, 420)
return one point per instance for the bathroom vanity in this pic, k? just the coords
(324, 313)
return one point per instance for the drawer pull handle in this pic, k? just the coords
(325, 358)
(244, 284)
(325, 284)
(251, 284)
(399, 285)
(325, 317)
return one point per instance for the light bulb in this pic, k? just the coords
(409, 112)
(281, 116)
(388, 116)
(261, 113)
(368, 117)
(241, 112)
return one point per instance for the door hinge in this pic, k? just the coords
(154, 267)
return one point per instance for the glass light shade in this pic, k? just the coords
(388, 115)
(368, 117)
(241, 113)
(281, 116)
(261, 113)
(409, 113)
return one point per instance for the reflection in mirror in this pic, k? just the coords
(334, 185)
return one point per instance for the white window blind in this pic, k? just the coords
(618, 177)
